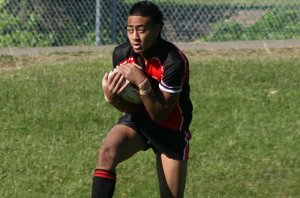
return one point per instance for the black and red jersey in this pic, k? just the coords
(167, 69)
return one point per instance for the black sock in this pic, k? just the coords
(103, 184)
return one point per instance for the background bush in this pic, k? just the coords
(36, 23)
(276, 24)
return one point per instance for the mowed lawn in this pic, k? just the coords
(246, 126)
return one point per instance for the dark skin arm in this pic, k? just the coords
(159, 106)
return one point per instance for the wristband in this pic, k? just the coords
(142, 83)
(146, 91)
(142, 90)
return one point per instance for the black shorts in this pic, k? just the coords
(173, 143)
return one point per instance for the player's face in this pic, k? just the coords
(141, 33)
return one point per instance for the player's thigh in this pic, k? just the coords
(172, 176)
(119, 144)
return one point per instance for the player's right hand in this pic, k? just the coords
(112, 85)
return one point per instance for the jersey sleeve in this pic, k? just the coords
(114, 59)
(121, 53)
(172, 79)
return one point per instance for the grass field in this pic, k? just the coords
(246, 127)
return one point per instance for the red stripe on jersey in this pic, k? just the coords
(155, 68)
(128, 60)
(175, 121)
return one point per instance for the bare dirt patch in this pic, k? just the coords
(244, 54)
(247, 17)
(10, 63)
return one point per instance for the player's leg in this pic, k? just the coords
(172, 176)
(120, 144)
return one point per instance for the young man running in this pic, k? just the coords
(160, 71)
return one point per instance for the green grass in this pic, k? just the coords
(247, 130)
(246, 127)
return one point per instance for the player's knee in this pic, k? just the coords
(106, 157)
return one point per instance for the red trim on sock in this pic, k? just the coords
(104, 174)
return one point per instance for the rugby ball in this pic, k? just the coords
(130, 93)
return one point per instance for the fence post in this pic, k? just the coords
(98, 23)
(113, 21)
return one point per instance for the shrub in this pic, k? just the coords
(276, 24)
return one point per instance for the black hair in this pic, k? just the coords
(147, 9)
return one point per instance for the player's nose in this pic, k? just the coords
(135, 35)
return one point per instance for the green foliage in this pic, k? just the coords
(45, 24)
(230, 31)
(53, 23)
(276, 24)
(271, 25)
(13, 35)
(2, 3)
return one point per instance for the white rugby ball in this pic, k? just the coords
(130, 93)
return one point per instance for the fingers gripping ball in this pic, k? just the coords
(130, 92)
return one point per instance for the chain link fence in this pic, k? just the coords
(29, 23)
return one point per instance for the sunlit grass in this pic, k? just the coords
(246, 136)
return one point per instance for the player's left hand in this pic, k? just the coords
(132, 72)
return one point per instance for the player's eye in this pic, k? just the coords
(130, 30)
(141, 29)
